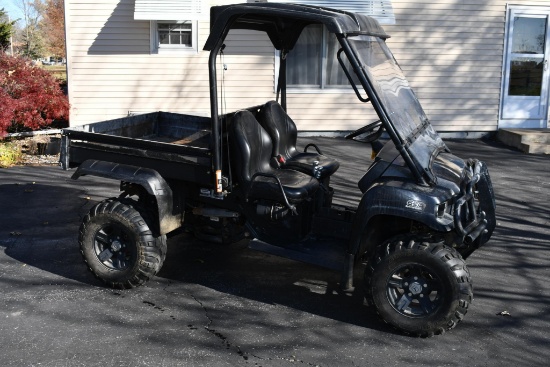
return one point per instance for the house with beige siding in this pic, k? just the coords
(476, 66)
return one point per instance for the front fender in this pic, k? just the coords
(404, 199)
(147, 178)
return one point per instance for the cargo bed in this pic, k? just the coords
(175, 145)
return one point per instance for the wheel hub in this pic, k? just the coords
(116, 245)
(111, 245)
(415, 288)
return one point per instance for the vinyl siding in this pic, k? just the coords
(450, 50)
(112, 71)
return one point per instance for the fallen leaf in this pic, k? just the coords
(504, 313)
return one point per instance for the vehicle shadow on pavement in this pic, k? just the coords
(241, 272)
(40, 224)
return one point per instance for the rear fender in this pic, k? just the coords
(149, 179)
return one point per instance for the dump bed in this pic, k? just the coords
(175, 145)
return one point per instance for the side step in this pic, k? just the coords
(327, 254)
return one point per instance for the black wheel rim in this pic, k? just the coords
(114, 247)
(414, 290)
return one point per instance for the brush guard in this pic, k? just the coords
(469, 219)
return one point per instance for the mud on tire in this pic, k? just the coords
(118, 245)
(421, 288)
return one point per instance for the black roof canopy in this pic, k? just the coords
(284, 23)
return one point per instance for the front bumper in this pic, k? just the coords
(474, 209)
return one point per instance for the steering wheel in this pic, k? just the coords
(368, 129)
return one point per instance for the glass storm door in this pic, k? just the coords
(526, 76)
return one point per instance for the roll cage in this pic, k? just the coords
(283, 23)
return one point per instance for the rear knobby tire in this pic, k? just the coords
(118, 245)
(421, 288)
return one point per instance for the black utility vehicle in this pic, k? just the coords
(422, 211)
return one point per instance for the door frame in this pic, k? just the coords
(526, 122)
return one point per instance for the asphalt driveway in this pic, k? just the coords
(215, 305)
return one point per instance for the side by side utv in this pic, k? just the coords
(235, 176)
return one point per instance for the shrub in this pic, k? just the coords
(10, 154)
(30, 98)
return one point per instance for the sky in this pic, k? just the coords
(10, 8)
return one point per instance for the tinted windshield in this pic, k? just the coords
(397, 99)
(389, 83)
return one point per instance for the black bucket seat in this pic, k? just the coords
(252, 148)
(284, 134)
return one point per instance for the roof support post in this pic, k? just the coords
(216, 142)
(282, 78)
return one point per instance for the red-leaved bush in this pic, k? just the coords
(30, 97)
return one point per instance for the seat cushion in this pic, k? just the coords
(297, 186)
(307, 163)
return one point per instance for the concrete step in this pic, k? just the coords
(532, 141)
(535, 148)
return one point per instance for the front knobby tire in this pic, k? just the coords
(422, 288)
(118, 245)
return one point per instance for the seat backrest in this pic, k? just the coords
(250, 145)
(280, 128)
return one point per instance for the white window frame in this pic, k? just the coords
(157, 48)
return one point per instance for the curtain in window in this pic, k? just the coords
(313, 62)
(304, 61)
(334, 74)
